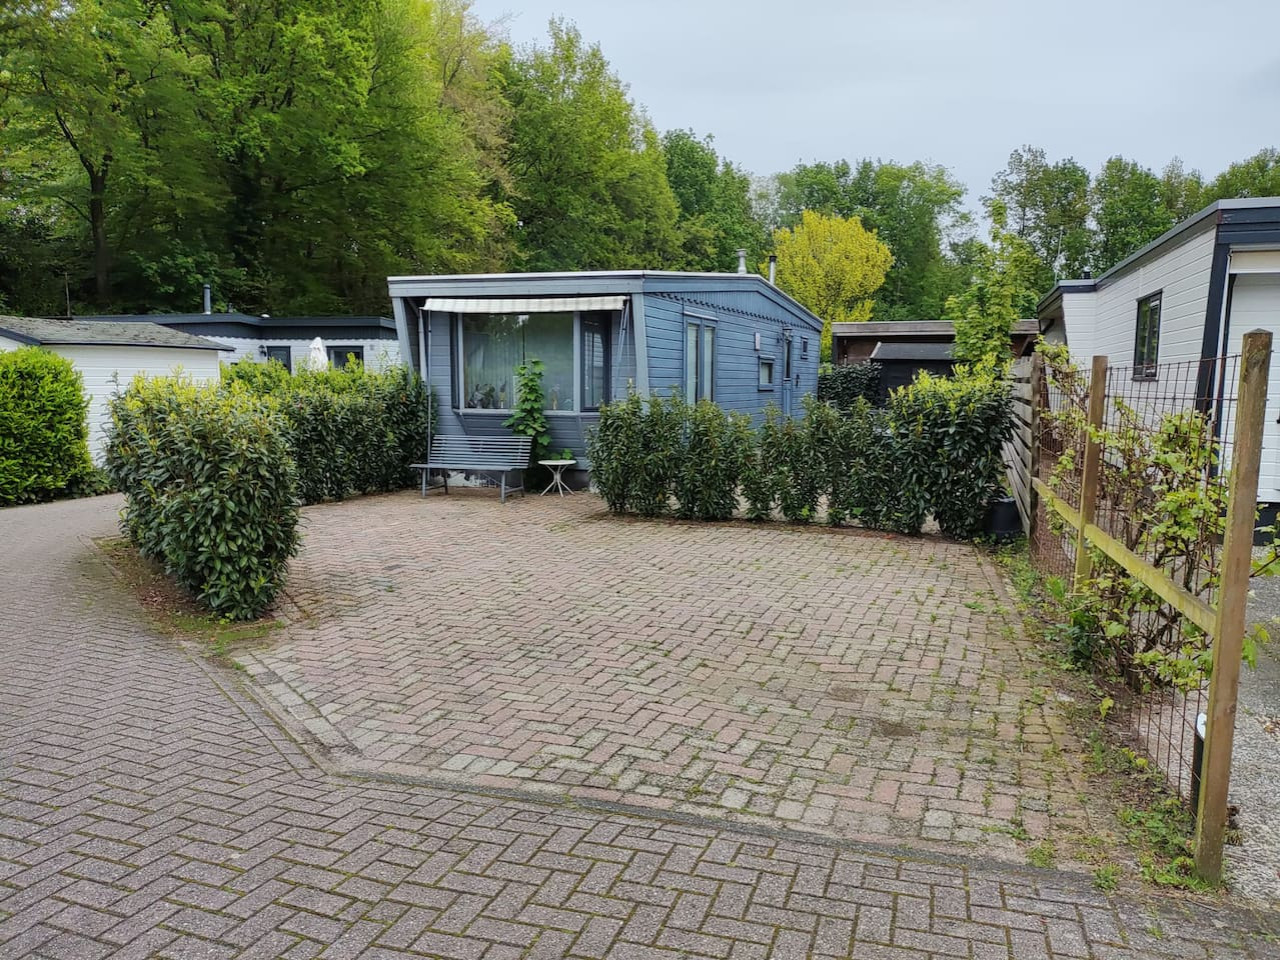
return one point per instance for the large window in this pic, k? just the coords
(699, 361)
(493, 345)
(1146, 349)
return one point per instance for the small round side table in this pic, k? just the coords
(557, 467)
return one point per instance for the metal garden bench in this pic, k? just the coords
(500, 455)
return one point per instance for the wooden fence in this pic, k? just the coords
(1200, 594)
(1017, 449)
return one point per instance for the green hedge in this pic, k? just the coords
(950, 431)
(351, 431)
(935, 450)
(44, 433)
(846, 384)
(211, 488)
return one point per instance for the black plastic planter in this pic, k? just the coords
(1004, 523)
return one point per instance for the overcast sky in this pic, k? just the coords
(956, 82)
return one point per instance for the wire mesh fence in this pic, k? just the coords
(1158, 509)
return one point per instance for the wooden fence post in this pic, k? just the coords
(1092, 465)
(1233, 594)
(1033, 449)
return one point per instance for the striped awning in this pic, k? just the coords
(522, 304)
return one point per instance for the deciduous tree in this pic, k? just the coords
(1003, 290)
(589, 182)
(832, 265)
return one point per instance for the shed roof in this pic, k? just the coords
(913, 351)
(915, 329)
(99, 333)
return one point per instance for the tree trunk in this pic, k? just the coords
(98, 228)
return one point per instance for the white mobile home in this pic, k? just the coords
(371, 340)
(1185, 298)
(109, 355)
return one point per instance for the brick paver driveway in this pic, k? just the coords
(149, 807)
(847, 683)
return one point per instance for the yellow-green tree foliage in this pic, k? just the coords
(832, 265)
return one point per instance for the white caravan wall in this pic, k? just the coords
(1182, 273)
(108, 368)
(378, 354)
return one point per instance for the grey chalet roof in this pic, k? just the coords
(1199, 220)
(595, 283)
(913, 351)
(99, 333)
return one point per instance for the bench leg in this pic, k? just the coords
(503, 478)
(425, 471)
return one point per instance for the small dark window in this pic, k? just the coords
(282, 355)
(804, 347)
(339, 356)
(1146, 348)
(766, 373)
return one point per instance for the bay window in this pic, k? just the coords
(574, 349)
(493, 345)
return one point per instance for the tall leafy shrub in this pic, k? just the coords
(530, 414)
(44, 431)
(351, 431)
(949, 432)
(846, 384)
(211, 488)
(711, 464)
(613, 447)
(662, 445)
(800, 470)
(760, 467)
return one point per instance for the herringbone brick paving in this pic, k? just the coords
(847, 683)
(150, 808)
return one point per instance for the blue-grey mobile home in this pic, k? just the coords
(733, 338)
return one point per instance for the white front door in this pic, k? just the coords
(1255, 305)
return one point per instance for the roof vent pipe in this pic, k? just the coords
(208, 300)
(742, 261)
(773, 268)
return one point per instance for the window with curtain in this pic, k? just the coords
(1146, 350)
(493, 345)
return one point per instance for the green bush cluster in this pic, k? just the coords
(350, 431)
(935, 450)
(44, 433)
(846, 384)
(645, 456)
(211, 487)
(950, 431)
